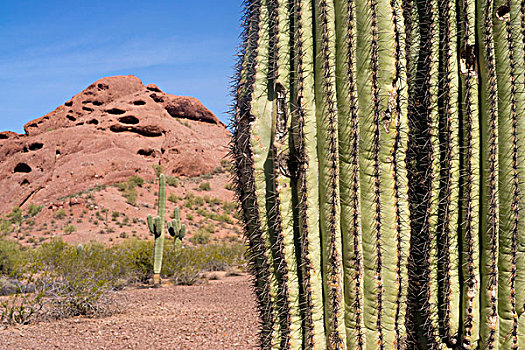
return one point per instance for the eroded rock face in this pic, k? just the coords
(114, 129)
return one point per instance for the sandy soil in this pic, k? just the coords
(217, 315)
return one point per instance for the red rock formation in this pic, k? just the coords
(114, 129)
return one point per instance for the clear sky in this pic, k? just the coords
(53, 49)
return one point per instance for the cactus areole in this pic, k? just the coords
(156, 227)
(379, 151)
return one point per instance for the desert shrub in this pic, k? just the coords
(69, 229)
(229, 186)
(204, 186)
(174, 198)
(21, 309)
(136, 181)
(59, 214)
(12, 257)
(187, 265)
(201, 236)
(172, 181)
(229, 207)
(34, 209)
(128, 190)
(5, 226)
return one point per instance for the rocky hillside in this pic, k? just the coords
(114, 129)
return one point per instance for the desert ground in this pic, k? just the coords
(219, 314)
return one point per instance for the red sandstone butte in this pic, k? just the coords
(115, 128)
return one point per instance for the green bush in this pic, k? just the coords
(11, 257)
(187, 265)
(202, 236)
(136, 181)
(173, 198)
(69, 229)
(59, 214)
(34, 209)
(172, 181)
(204, 186)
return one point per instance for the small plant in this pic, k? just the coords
(172, 181)
(204, 186)
(202, 236)
(173, 198)
(69, 229)
(34, 210)
(59, 214)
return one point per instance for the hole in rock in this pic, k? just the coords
(503, 13)
(87, 109)
(139, 103)
(115, 111)
(36, 146)
(58, 152)
(3, 137)
(70, 117)
(157, 98)
(80, 124)
(129, 119)
(86, 101)
(22, 168)
(93, 121)
(69, 103)
(102, 86)
(147, 152)
(98, 103)
(25, 182)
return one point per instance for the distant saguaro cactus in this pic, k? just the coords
(156, 227)
(379, 148)
(176, 229)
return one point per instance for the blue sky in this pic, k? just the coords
(54, 49)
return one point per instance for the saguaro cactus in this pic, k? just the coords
(379, 151)
(176, 229)
(156, 227)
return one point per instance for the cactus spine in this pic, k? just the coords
(176, 229)
(156, 227)
(378, 148)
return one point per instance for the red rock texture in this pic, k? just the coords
(115, 128)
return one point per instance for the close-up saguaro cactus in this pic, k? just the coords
(378, 149)
(156, 227)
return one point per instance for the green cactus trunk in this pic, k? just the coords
(379, 150)
(156, 227)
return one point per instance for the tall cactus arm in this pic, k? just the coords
(151, 224)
